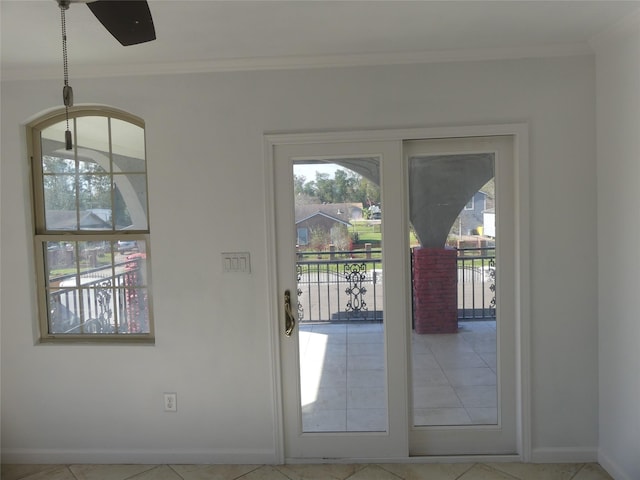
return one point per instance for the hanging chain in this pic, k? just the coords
(67, 92)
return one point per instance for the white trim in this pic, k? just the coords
(565, 455)
(523, 287)
(138, 456)
(273, 295)
(520, 131)
(417, 460)
(303, 62)
(611, 467)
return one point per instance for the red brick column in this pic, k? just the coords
(435, 302)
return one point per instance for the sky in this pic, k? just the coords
(309, 171)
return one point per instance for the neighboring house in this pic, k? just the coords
(472, 217)
(324, 217)
(103, 213)
(489, 219)
(66, 220)
(343, 211)
(318, 221)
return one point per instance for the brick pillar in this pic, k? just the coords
(435, 302)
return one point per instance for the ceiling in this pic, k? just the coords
(214, 35)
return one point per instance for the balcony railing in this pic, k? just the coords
(106, 302)
(477, 283)
(347, 286)
(339, 286)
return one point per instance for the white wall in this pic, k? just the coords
(618, 120)
(206, 189)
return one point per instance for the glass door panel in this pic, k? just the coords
(340, 295)
(453, 243)
(338, 395)
(462, 338)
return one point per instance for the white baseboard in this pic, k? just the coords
(412, 460)
(565, 455)
(148, 457)
(611, 467)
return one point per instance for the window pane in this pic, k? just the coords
(95, 260)
(340, 292)
(453, 284)
(95, 202)
(53, 147)
(128, 147)
(130, 208)
(92, 142)
(60, 202)
(58, 164)
(97, 287)
(132, 268)
(59, 262)
(97, 308)
(64, 310)
(133, 315)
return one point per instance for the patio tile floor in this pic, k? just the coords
(342, 376)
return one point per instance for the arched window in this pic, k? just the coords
(91, 222)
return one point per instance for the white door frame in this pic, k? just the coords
(520, 132)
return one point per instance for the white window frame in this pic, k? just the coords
(108, 238)
(471, 204)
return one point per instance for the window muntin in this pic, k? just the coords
(91, 227)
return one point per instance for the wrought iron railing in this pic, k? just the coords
(105, 302)
(339, 286)
(477, 283)
(348, 286)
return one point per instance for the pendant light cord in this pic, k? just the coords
(67, 92)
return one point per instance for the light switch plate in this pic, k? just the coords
(236, 262)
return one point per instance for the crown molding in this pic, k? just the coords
(300, 62)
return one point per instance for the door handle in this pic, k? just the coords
(289, 319)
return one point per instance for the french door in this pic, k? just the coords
(461, 197)
(361, 376)
(341, 394)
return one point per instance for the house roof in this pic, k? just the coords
(321, 214)
(338, 211)
(67, 220)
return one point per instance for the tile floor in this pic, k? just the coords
(458, 471)
(342, 377)
(343, 388)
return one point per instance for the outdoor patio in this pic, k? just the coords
(342, 376)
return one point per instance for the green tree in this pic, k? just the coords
(345, 186)
(324, 186)
(86, 187)
(318, 239)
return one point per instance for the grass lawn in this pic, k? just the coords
(372, 234)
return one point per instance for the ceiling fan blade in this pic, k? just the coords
(129, 21)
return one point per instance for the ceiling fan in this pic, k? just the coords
(129, 21)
